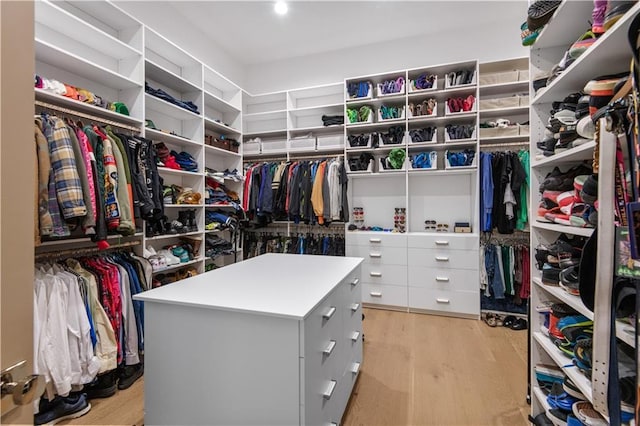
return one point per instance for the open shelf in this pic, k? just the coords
(85, 240)
(169, 109)
(220, 151)
(43, 95)
(497, 112)
(504, 88)
(317, 130)
(577, 154)
(167, 236)
(504, 139)
(160, 136)
(59, 58)
(218, 103)
(573, 15)
(178, 266)
(541, 397)
(571, 230)
(169, 171)
(558, 292)
(167, 78)
(215, 126)
(564, 362)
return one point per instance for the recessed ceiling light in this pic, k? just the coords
(281, 8)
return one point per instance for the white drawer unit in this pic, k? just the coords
(443, 242)
(384, 274)
(286, 344)
(381, 294)
(437, 259)
(444, 278)
(379, 255)
(375, 239)
(444, 301)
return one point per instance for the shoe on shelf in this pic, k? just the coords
(541, 420)
(573, 390)
(588, 415)
(550, 275)
(616, 12)
(540, 12)
(582, 44)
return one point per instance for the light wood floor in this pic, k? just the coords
(417, 370)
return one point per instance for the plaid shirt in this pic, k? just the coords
(65, 172)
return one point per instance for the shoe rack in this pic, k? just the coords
(114, 55)
(609, 54)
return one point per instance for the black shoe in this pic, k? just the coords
(541, 420)
(519, 324)
(103, 386)
(63, 408)
(508, 320)
(540, 12)
(129, 374)
(550, 275)
(558, 416)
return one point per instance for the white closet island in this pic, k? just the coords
(274, 340)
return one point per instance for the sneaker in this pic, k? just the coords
(582, 353)
(589, 192)
(588, 415)
(586, 128)
(573, 390)
(613, 15)
(540, 12)
(550, 275)
(569, 280)
(129, 374)
(63, 408)
(102, 386)
(582, 44)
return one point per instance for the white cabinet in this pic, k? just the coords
(273, 340)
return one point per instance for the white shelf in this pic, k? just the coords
(448, 117)
(85, 240)
(213, 125)
(318, 130)
(571, 230)
(167, 78)
(169, 109)
(461, 171)
(446, 145)
(63, 22)
(169, 171)
(504, 88)
(59, 58)
(178, 266)
(219, 206)
(558, 292)
(183, 206)
(363, 127)
(265, 134)
(566, 25)
(167, 236)
(262, 116)
(564, 362)
(218, 103)
(496, 112)
(160, 136)
(504, 139)
(220, 151)
(310, 109)
(573, 155)
(604, 56)
(541, 397)
(43, 95)
(395, 99)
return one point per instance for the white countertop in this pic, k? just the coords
(284, 285)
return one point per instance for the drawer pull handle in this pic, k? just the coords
(355, 368)
(376, 255)
(375, 240)
(327, 351)
(355, 282)
(445, 301)
(442, 279)
(442, 258)
(375, 294)
(329, 313)
(442, 243)
(355, 336)
(332, 386)
(355, 307)
(375, 274)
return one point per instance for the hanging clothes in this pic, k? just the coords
(504, 276)
(255, 244)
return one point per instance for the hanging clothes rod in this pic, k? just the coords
(85, 251)
(506, 144)
(292, 157)
(86, 116)
(315, 157)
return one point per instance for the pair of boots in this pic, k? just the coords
(186, 222)
(105, 384)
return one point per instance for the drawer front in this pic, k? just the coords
(435, 258)
(381, 294)
(385, 274)
(351, 286)
(322, 335)
(375, 240)
(444, 278)
(463, 302)
(320, 400)
(379, 255)
(444, 242)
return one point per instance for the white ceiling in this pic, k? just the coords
(252, 33)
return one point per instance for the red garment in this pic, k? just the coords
(525, 289)
(247, 187)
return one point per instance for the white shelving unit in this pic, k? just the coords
(98, 47)
(609, 54)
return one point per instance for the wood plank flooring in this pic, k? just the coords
(417, 370)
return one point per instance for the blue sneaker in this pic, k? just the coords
(63, 408)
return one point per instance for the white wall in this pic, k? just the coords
(489, 42)
(164, 19)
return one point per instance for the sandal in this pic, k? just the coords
(491, 319)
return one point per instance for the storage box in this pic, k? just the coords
(382, 120)
(433, 114)
(381, 169)
(434, 162)
(274, 145)
(217, 143)
(499, 77)
(368, 145)
(447, 138)
(369, 94)
(382, 95)
(432, 89)
(523, 129)
(494, 132)
(447, 111)
(474, 79)
(303, 144)
(434, 138)
(394, 145)
(496, 103)
(330, 142)
(369, 168)
(234, 146)
(368, 120)
(251, 147)
(523, 75)
(448, 166)
(524, 100)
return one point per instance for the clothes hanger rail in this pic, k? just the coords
(85, 251)
(78, 114)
